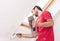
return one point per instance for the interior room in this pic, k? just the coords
(14, 12)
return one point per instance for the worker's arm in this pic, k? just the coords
(29, 35)
(34, 35)
(48, 23)
(25, 25)
(46, 7)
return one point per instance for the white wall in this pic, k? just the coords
(12, 13)
(55, 11)
(57, 26)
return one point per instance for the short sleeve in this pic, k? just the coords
(47, 15)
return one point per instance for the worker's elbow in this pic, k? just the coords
(52, 23)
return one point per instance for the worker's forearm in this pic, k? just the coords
(46, 24)
(48, 5)
(29, 35)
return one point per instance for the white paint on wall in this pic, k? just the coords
(57, 26)
(12, 13)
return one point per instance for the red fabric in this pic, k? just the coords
(45, 34)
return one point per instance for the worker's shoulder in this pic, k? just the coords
(46, 12)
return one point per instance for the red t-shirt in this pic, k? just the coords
(45, 33)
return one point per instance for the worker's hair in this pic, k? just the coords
(37, 8)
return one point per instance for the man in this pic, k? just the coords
(43, 24)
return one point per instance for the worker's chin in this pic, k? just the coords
(36, 15)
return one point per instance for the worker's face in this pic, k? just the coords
(35, 12)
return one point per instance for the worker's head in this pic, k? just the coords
(36, 9)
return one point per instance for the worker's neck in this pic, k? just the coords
(39, 13)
